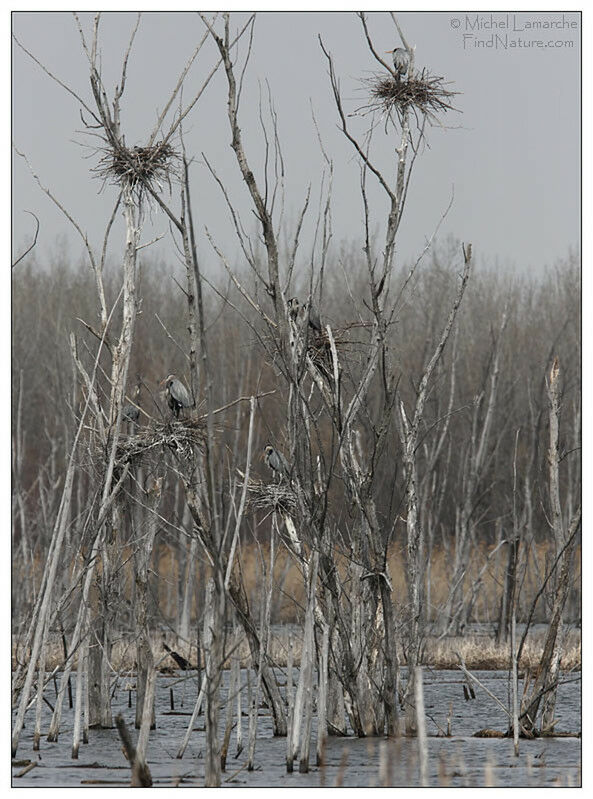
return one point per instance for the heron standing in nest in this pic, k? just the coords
(276, 461)
(314, 320)
(177, 395)
(401, 61)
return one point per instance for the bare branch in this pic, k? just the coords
(57, 80)
(60, 206)
(30, 247)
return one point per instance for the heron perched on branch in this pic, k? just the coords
(276, 461)
(177, 395)
(294, 308)
(401, 61)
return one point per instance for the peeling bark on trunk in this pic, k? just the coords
(144, 656)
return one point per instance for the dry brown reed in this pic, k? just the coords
(478, 651)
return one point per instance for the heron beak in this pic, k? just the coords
(389, 51)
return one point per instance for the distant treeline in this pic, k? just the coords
(543, 323)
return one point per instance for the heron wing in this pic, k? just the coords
(180, 394)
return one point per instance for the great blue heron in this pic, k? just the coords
(177, 395)
(314, 319)
(294, 308)
(401, 61)
(276, 461)
(131, 412)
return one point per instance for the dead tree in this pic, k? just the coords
(142, 553)
(546, 681)
(409, 433)
(131, 170)
(477, 457)
(364, 658)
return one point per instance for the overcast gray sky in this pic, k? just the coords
(511, 158)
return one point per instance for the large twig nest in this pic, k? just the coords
(180, 436)
(424, 93)
(277, 497)
(138, 167)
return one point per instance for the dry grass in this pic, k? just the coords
(289, 581)
(482, 652)
(478, 652)
(289, 597)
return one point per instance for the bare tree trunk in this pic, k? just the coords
(188, 587)
(336, 714)
(546, 681)
(214, 647)
(40, 686)
(85, 697)
(144, 656)
(456, 611)
(77, 728)
(194, 715)
(228, 726)
(303, 706)
(94, 676)
(269, 683)
(290, 703)
(420, 725)
(322, 696)
(410, 430)
(39, 620)
(139, 769)
(515, 681)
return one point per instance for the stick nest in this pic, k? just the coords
(425, 93)
(139, 167)
(319, 347)
(180, 436)
(277, 497)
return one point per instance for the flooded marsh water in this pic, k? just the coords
(457, 761)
